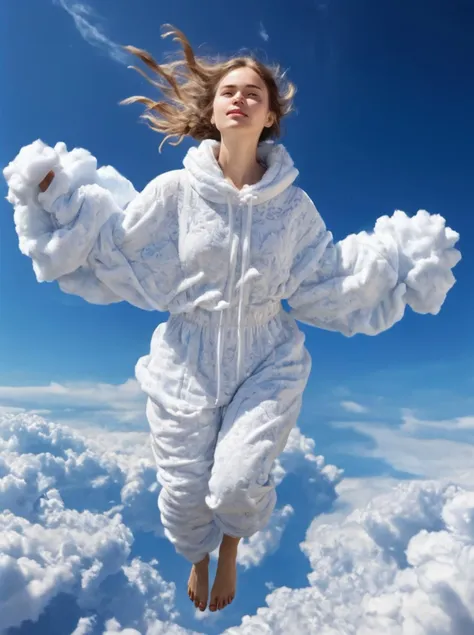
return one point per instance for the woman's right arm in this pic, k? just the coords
(91, 231)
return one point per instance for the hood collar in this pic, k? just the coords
(207, 179)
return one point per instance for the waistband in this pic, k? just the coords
(252, 316)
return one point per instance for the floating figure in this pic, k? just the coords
(219, 244)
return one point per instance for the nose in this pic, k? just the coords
(238, 98)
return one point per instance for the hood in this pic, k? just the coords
(207, 179)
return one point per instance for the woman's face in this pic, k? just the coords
(241, 104)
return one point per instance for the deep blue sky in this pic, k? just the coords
(384, 121)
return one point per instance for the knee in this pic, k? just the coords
(227, 493)
(234, 493)
(240, 508)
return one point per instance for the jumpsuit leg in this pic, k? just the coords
(254, 431)
(184, 452)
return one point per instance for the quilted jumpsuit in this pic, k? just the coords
(225, 374)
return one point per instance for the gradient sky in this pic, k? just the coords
(383, 122)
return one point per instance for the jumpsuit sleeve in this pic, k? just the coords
(91, 231)
(363, 283)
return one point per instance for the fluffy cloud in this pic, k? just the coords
(156, 628)
(252, 550)
(71, 502)
(61, 530)
(299, 454)
(352, 406)
(400, 566)
(85, 626)
(36, 456)
(83, 554)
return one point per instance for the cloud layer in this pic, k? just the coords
(71, 503)
(120, 406)
(400, 566)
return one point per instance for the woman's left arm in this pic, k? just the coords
(363, 283)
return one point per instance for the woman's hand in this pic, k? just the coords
(46, 182)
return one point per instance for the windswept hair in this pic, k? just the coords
(188, 86)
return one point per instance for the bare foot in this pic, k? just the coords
(198, 584)
(223, 589)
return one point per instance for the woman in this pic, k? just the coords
(219, 244)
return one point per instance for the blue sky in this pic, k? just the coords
(383, 122)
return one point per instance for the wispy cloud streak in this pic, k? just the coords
(86, 21)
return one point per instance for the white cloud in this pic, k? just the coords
(263, 32)
(75, 393)
(390, 557)
(36, 455)
(398, 564)
(411, 448)
(67, 551)
(401, 566)
(10, 410)
(106, 404)
(4, 410)
(421, 457)
(85, 626)
(353, 493)
(299, 453)
(252, 550)
(352, 406)
(84, 17)
(413, 425)
(155, 628)
(50, 543)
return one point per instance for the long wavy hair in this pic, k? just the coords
(188, 86)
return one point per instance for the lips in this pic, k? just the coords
(236, 111)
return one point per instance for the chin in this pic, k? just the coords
(238, 127)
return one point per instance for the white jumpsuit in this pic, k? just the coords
(225, 374)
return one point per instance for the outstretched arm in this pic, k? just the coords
(90, 230)
(363, 283)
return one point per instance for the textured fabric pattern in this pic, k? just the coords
(225, 374)
(214, 464)
(170, 247)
